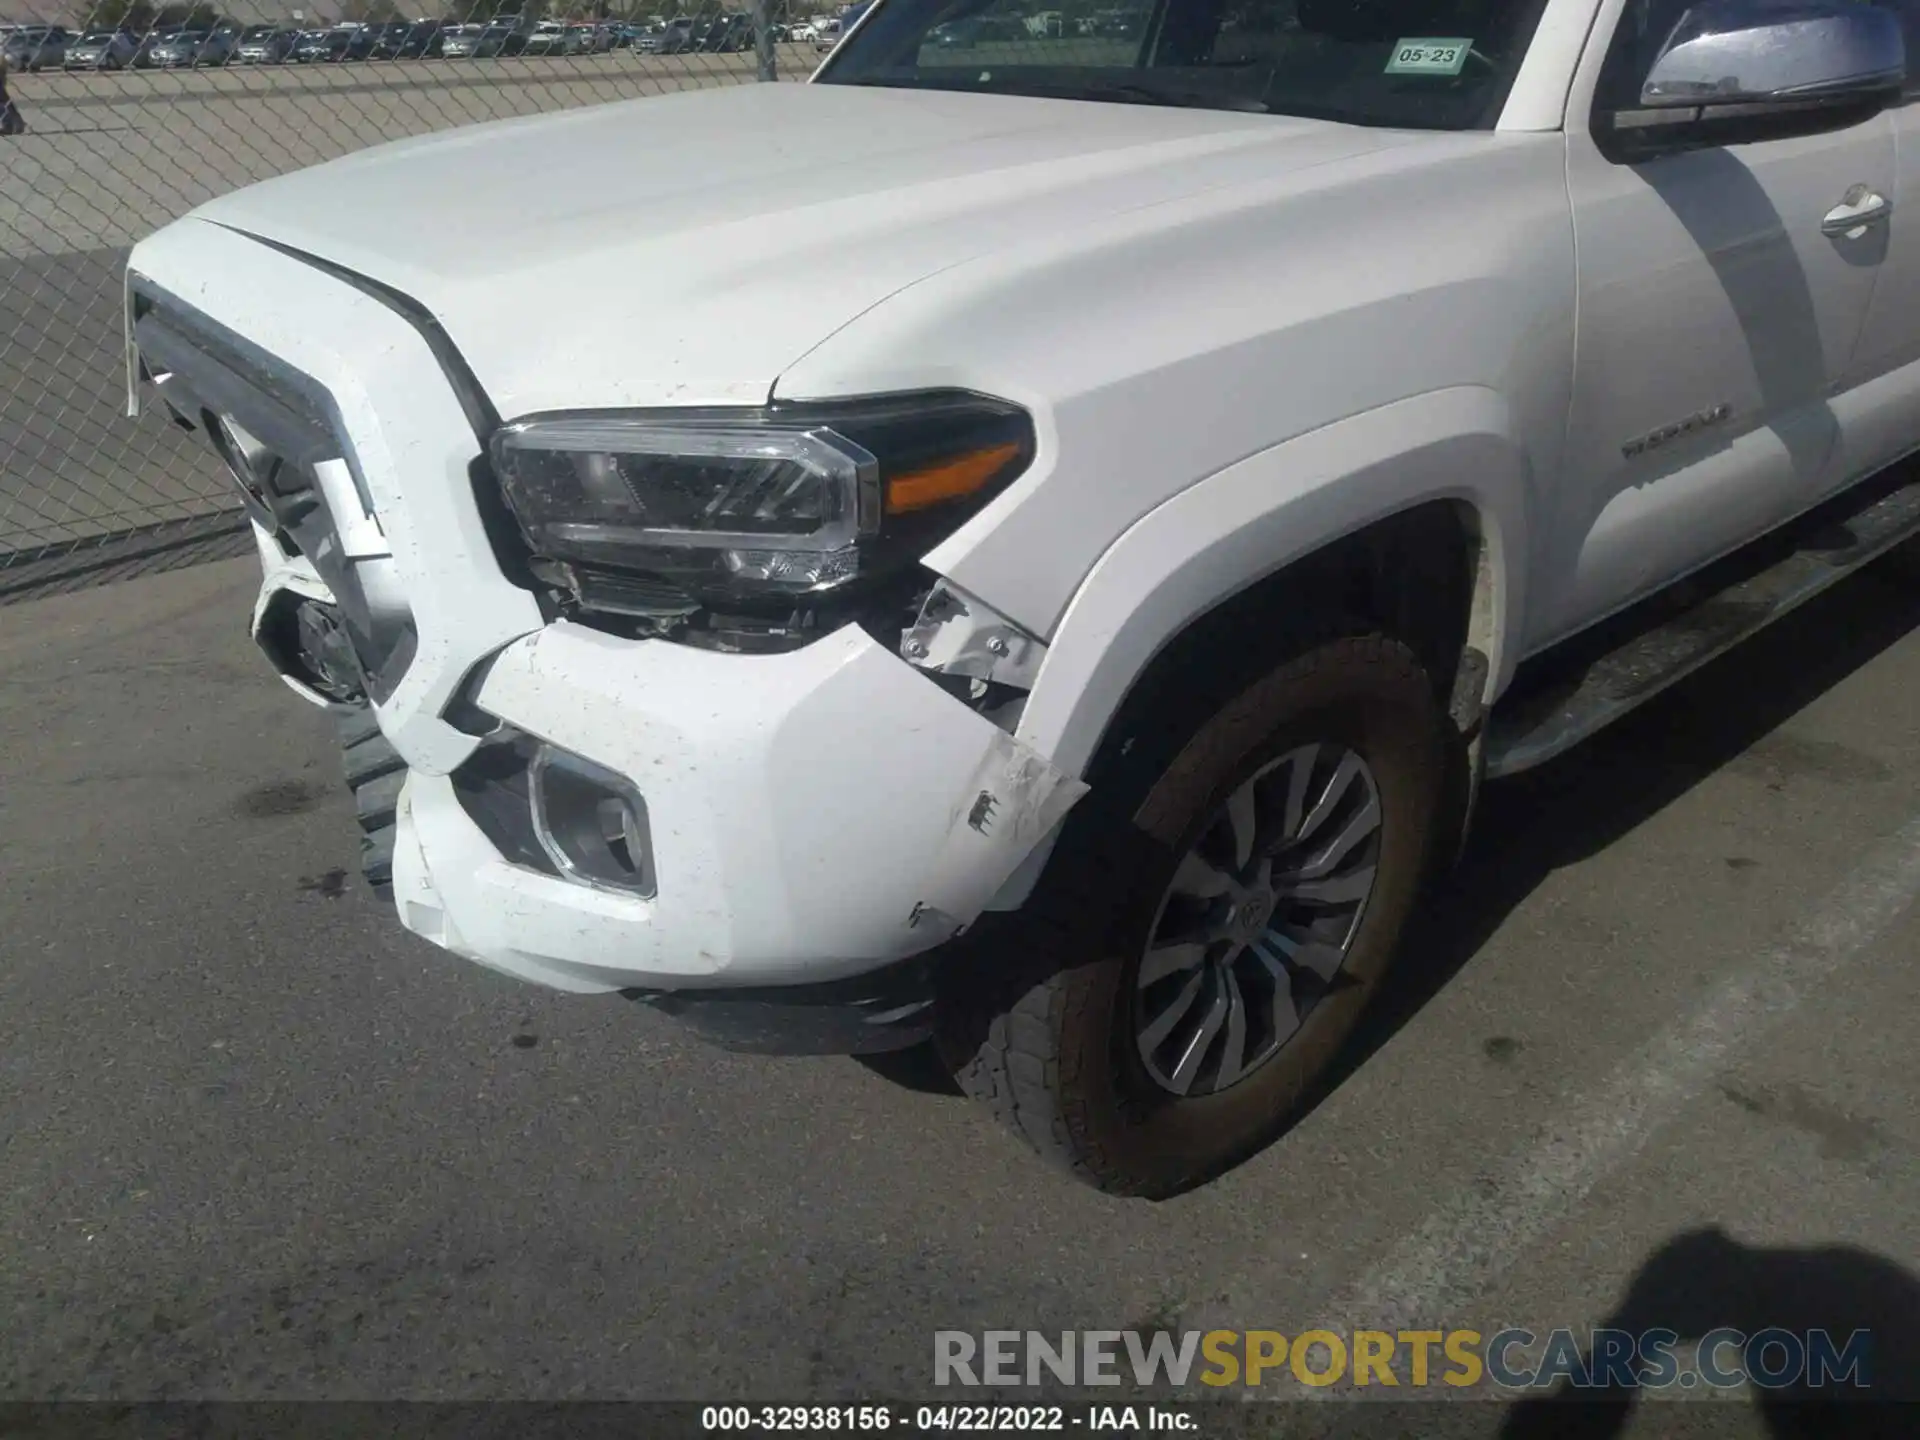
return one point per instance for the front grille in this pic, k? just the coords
(278, 433)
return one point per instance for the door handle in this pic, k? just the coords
(1861, 208)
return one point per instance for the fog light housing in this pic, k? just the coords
(591, 823)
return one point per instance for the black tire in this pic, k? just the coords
(374, 772)
(1042, 1029)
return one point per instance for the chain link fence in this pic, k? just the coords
(134, 114)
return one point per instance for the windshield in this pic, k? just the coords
(98, 37)
(1417, 64)
(259, 32)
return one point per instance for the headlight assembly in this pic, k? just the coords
(732, 506)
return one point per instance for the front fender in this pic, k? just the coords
(1254, 518)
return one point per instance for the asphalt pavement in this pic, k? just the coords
(1651, 1051)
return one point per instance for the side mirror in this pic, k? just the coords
(1744, 70)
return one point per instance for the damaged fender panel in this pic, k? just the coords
(1012, 802)
(963, 637)
(814, 814)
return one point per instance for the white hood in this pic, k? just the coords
(685, 249)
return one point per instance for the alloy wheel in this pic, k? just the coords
(1258, 920)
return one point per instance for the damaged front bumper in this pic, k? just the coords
(813, 820)
(812, 816)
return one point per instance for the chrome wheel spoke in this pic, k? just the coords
(1350, 769)
(1233, 1050)
(1317, 958)
(1176, 1010)
(1298, 778)
(1346, 889)
(1257, 922)
(1240, 824)
(1188, 1070)
(1286, 1015)
(1199, 878)
(1165, 960)
(1349, 837)
(1272, 958)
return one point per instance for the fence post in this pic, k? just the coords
(763, 37)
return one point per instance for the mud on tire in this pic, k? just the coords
(374, 772)
(1041, 1027)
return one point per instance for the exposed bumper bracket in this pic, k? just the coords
(886, 1009)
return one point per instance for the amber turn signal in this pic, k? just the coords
(948, 480)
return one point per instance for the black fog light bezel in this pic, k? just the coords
(569, 798)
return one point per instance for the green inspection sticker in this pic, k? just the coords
(1424, 55)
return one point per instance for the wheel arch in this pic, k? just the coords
(1414, 514)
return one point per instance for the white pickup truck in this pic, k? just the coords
(1049, 574)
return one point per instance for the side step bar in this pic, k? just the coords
(1561, 697)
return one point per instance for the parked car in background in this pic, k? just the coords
(509, 33)
(505, 35)
(839, 26)
(549, 37)
(676, 37)
(264, 45)
(163, 48)
(384, 40)
(336, 46)
(983, 30)
(308, 46)
(189, 49)
(460, 41)
(36, 47)
(423, 40)
(101, 50)
(728, 34)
